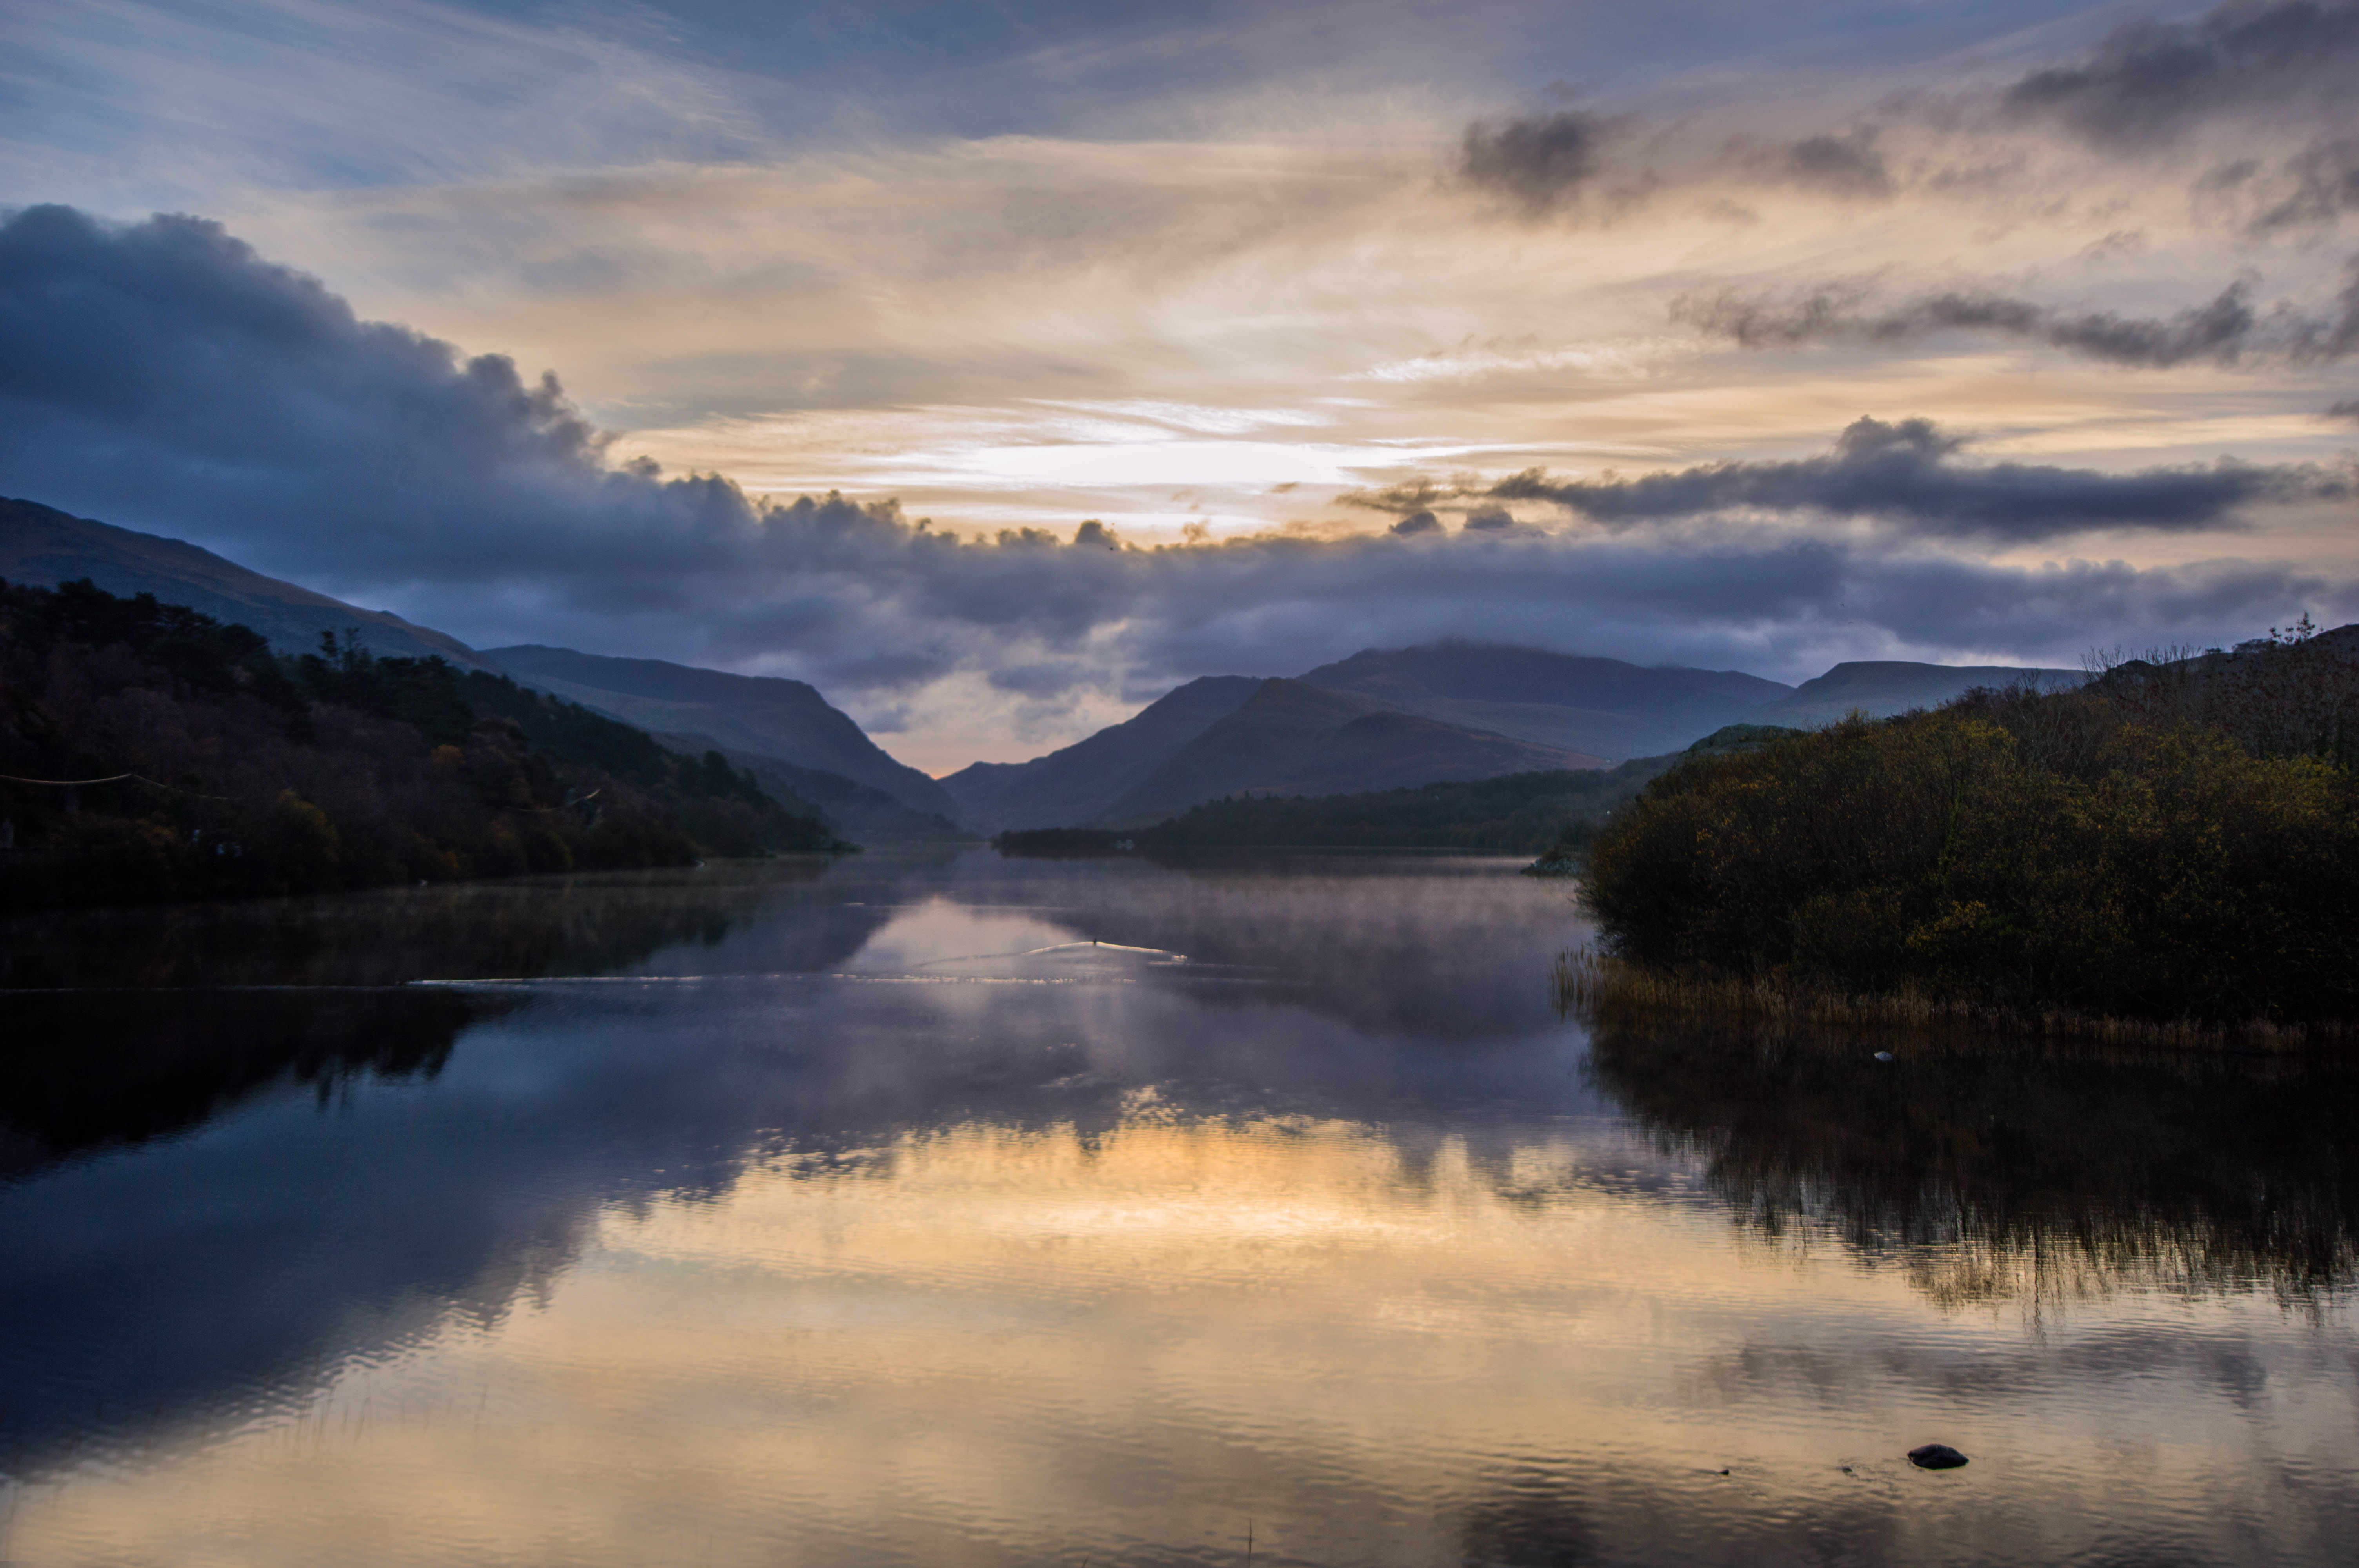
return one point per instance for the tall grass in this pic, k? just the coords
(1597, 986)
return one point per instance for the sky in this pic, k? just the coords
(997, 367)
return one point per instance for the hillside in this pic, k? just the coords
(1293, 738)
(203, 764)
(1520, 814)
(1882, 688)
(763, 715)
(1086, 779)
(1603, 706)
(43, 546)
(2169, 845)
(858, 811)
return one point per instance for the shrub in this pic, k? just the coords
(2009, 851)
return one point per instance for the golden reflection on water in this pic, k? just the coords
(985, 1345)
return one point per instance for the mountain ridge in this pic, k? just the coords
(769, 716)
(42, 546)
(1582, 702)
(1882, 688)
(1292, 737)
(1077, 783)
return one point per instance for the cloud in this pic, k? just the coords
(165, 370)
(163, 377)
(1904, 473)
(2313, 187)
(2348, 409)
(1847, 165)
(2149, 80)
(1543, 161)
(2226, 328)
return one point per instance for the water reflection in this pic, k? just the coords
(83, 1072)
(533, 926)
(946, 1209)
(2001, 1173)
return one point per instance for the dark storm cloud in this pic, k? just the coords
(2148, 80)
(164, 370)
(163, 377)
(1907, 473)
(2224, 329)
(1543, 161)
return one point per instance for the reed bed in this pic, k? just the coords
(1592, 986)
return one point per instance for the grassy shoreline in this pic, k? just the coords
(1591, 986)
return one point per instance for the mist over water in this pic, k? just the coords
(939, 1208)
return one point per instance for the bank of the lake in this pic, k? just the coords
(2169, 849)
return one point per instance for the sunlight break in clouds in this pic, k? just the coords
(1214, 277)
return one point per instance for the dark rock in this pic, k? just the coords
(1935, 1456)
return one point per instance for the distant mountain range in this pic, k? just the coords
(1881, 689)
(1383, 719)
(1083, 782)
(1397, 718)
(1603, 706)
(1293, 738)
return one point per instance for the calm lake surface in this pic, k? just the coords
(944, 1209)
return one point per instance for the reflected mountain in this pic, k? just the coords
(272, 1182)
(83, 1072)
(2014, 1173)
(1334, 931)
(590, 924)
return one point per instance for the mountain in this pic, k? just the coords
(1603, 707)
(860, 811)
(1086, 779)
(1294, 737)
(42, 546)
(421, 771)
(1881, 687)
(764, 714)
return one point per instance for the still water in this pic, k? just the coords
(945, 1209)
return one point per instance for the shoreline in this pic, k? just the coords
(1591, 986)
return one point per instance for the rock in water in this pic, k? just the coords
(1935, 1456)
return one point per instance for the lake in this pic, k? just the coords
(937, 1208)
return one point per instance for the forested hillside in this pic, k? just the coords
(152, 752)
(2174, 841)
